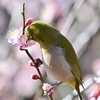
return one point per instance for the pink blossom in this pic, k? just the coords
(95, 93)
(16, 37)
(46, 88)
(28, 21)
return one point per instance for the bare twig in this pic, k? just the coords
(36, 65)
(23, 14)
(27, 52)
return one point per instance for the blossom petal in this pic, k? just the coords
(28, 21)
(16, 36)
(46, 88)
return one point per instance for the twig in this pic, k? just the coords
(23, 14)
(27, 52)
(36, 65)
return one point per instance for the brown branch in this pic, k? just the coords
(23, 15)
(27, 52)
(36, 63)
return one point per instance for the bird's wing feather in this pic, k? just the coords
(70, 56)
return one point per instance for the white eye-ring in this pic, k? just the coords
(29, 36)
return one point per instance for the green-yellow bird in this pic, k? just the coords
(59, 58)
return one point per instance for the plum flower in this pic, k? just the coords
(95, 94)
(46, 87)
(16, 37)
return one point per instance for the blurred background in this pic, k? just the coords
(78, 20)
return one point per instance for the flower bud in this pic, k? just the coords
(31, 63)
(34, 76)
(21, 48)
(28, 21)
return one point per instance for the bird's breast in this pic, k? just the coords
(55, 64)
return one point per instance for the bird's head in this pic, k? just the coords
(41, 32)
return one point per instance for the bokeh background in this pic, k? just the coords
(78, 20)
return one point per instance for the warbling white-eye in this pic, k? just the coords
(59, 58)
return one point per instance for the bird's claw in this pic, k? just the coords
(52, 87)
(49, 89)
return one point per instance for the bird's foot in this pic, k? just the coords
(53, 87)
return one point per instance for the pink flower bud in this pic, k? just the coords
(48, 89)
(34, 76)
(31, 63)
(28, 21)
(21, 48)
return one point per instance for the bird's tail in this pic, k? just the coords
(75, 84)
(79, 93)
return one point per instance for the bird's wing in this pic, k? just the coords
(70, 56)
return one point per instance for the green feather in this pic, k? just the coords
(47, 36)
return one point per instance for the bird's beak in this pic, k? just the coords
(27, 40)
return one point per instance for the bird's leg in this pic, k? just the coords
(58, 84)
(52, 87)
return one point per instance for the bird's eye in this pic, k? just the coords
(29, 36)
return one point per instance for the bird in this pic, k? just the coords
(58, 55)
